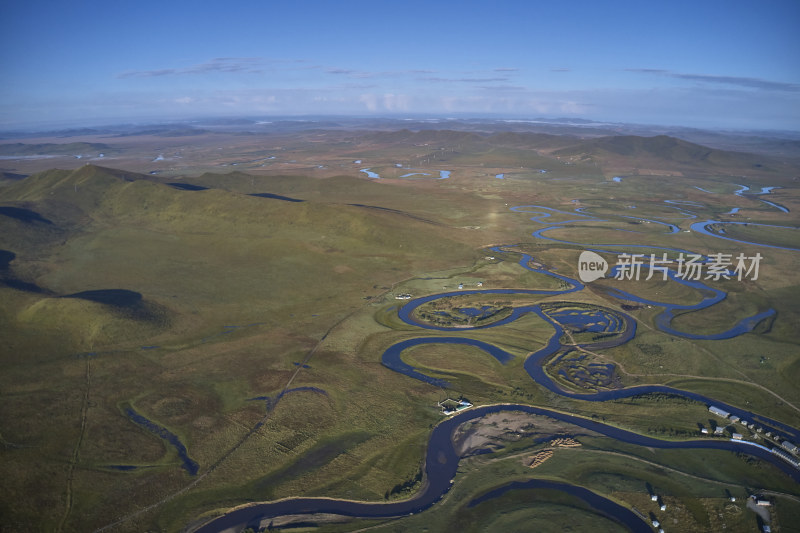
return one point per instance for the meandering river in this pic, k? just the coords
(441, 461)
(441, 464)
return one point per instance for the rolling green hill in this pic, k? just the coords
(221, 254)
(662, 149)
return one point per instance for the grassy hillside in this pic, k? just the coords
(662, 149)
(270, 251)
(137, 283)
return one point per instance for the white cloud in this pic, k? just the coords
(396, 102)
(737, 81)
(370, 101)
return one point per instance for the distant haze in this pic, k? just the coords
(717, 64)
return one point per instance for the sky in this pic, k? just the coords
(730, 64)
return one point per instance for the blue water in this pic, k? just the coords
(484, 311)
(606, 507)
(595, 321)
(441, 465)
(123, 468)
(189, 464)
(543, 212)
(302, 389)
(444, 174)
(391, 357)
(702, 227)
(663, 321)
(369, 173)
(605, 247)
(704, 190)
(533, 364)
(691, 203)
(672, 227)
(777, 206)
(500, 176)
(681, 210)
(410, 174)
(732, 211)
(764, 190)
(441, 462)
(617, 179)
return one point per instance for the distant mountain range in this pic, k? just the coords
(774, 142)
(661, 148)
(74, 148)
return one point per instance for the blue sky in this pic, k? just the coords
(729, 64)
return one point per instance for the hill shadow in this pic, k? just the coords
(8, 279)
(24, 215)
(187, 186)
(114, 297)
(129, 304)
(276, 197)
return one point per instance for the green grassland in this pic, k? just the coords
(770, 236)
(695, 488)
(238, 293)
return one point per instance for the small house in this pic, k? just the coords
(719, 412)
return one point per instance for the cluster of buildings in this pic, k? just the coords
(662, 507)
(786, 450)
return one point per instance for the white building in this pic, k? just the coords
(790, 447)
(719, 412)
